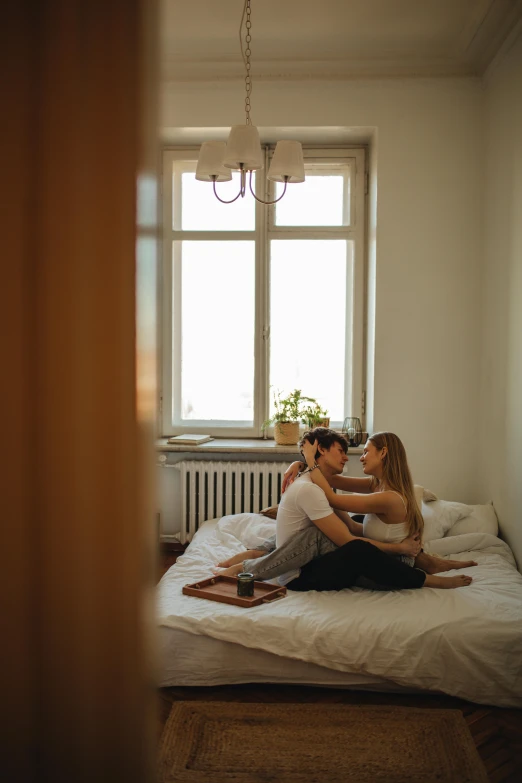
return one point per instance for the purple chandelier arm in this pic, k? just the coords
(242, 190)
(222, 199)
(267, 202)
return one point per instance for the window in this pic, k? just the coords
(260, 299)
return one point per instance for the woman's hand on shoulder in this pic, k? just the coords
(290, 474)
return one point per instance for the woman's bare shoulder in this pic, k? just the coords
(395, 506)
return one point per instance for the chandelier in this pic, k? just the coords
(242, 152)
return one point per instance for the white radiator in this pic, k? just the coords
(213, 489)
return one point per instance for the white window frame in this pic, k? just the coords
(265, 230)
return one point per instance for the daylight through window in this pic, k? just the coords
(259, 299)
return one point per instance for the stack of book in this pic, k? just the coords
(189, 440)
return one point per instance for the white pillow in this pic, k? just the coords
(418, 491)
(251, 529)
(482, 519)
(422, 494)
(440, 516)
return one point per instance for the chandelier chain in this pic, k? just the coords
(247, 156)
(246, 53)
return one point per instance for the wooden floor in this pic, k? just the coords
(497, 732)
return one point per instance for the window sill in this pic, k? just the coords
(237, 445)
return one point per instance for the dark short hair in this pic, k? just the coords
(325, 438)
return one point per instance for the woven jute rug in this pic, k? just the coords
(230, 742)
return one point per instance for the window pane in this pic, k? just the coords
(308, 296)
(217, 331)
(320, 200)
(201, 210)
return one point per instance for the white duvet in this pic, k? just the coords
(465, 642)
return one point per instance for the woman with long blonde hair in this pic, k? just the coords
(385, 454)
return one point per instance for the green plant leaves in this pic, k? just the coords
(296, 407)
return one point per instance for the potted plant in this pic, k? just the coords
(286, 418)
(312, 415)
(291, 410)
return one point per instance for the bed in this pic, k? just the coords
(465, 642)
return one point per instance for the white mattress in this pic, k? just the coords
(189, 660)
(465, 642)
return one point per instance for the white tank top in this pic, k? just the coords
(375, 528)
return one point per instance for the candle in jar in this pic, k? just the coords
(245, 585)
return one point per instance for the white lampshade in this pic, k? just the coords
(210, 162)
(243, 147)
(287, 161)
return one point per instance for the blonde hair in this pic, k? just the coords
(396, 475)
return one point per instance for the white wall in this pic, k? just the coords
(501, 372)
(428, 244)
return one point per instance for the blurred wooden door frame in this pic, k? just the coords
(78, 134)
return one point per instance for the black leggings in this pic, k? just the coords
(340, 568)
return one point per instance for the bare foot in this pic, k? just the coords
(436, 565)
(447, 582)
(233, 570)
(453, 565)
(250, 554)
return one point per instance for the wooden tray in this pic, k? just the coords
(224, 589)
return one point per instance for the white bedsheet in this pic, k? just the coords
(465, 642)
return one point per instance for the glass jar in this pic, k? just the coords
(245, 585)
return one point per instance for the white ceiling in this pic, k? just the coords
(329, 39)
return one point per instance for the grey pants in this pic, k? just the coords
(304, 546)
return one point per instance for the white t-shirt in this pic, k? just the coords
(301, 504)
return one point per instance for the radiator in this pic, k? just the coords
(213, 489)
